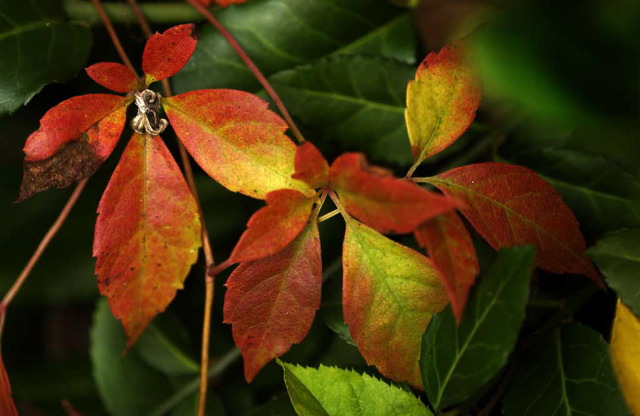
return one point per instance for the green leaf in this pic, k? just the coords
(330, 391)
(568, 373)
(358, 101)
(37, 47)
(602, 195)
(127, 386)
(281, 34)
(331, 307)
(618, 257)
(457, 360)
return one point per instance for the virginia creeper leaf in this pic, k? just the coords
(274, 226)
(625, 355)
(380, 200)
(510, 205)
(457, 360)
(389, 294)
(451, 250)
(618, 257)
(7, 407)
(441, 102)
(271, 302)
(166, 53)
(310, 166)
(74, 138)
(330, 391)
(113, 76)
(37, 47)
(569, 373)
(147, 234)
(236, 140)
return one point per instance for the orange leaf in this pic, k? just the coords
(236, 140)
(147, 234)
(7, 407)
(310, 166)
(113, 76)
(452, 252)
(511, 206)
(165, 54)
(271, 302)
(273, 227)
(441, 102)
(390, 293)
(378, 199)
(74, 138)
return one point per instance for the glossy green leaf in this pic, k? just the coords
(127, 386)
(282, 34)
(618, 257)
(457, 360)
(355, 100)
(37, 47)
(569, 373)
(602, 195)
(330, 391)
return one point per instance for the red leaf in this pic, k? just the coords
(236, 140)
(165, 54)
(441, 102)
(311, 167)
(452, 252)
(74, 138)
(271, 302)
(380, 200)
(113, 76)
(147, 234)
(273, 227)
(389, 294)
(7, 407)
(511, 206)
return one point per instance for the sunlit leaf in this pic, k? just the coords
(441, 102)
(147, 234)
(113, 76)
(457, 360)
(166, 53)
(274, 226)
(451, 250)
(73, 140)
(330, 391)
(236, 140)
(625, 355)
(377, 198)
(390, 293)
(511, 206)
(310, 166)
(271, 302)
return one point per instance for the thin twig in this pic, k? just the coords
(252, 66)
(39, 250)
(114, 37)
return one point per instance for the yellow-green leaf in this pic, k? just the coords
(625, 354)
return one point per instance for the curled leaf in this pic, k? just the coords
(165, 54)
(74, 138)
(147, 234)
(113, 76)
(380, 200)
(271, 302)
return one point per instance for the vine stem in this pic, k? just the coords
(251, 65)
(206, 244)
(114, 37)
(55, 227)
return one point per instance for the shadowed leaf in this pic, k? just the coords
(166, 53)
(451, 249)
(236, 140)
(380, 200)
(147, 234)
(7, 407)
(113, 76)
(271, 302)
(389, 294)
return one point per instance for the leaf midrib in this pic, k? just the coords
(29, 27)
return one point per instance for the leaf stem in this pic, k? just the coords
(413, 168)
(336, 201)
(53, 230)
(114, 37)
(328, 215)
(155, 12)
(251, 65)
